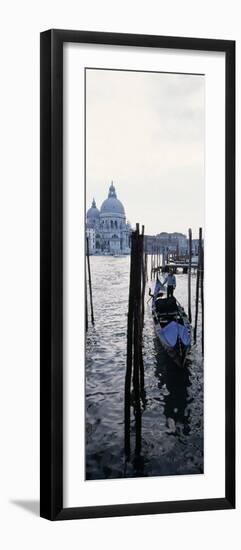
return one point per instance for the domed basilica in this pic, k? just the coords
(106, 229)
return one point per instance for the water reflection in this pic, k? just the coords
(173, 383)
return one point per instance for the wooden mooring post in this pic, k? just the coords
(198, 284)
(143, 275)
(189, 274)
(137, 342)
(151, 261)
(90, 284)
(86, 304)
(134, 364)
(155, 259)
(129, 346)
(200, 287)
(146, 266)
(142, 310)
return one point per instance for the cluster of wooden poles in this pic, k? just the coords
(134, 379)
(90, 289)
(199, 287)
(155, 258)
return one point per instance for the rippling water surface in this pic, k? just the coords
(172, 420)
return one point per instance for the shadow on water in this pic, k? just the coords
(175, 382)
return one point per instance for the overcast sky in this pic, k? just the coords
(145, 131)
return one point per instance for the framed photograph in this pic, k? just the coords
(137, 274)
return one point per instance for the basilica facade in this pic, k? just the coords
(106, 229)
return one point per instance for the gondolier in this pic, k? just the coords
(171, 284)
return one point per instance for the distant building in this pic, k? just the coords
(167, 242)
(109, 231)
(173, 241)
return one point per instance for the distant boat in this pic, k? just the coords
(171, 325)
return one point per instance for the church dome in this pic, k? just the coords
(93, 214)
(112, 205)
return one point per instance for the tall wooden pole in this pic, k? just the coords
(156, 259)
(138, 339)
(135, 366)
(151, 260)
(198, 284)
(142, 310)
(143, 275)
(146, 268)
(86, 303)
(129, 344)
(90, 285)
(189, 274)
(163, 258)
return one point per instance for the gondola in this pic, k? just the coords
(171, 324)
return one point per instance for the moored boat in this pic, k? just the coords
(171, 324)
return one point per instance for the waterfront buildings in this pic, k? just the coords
(109, 233)
(107, 229)
(167, 242)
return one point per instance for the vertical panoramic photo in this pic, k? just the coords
(144, 242)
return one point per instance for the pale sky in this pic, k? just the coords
(145, 131)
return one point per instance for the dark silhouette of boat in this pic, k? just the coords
(171, 324)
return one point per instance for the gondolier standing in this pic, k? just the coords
(171, 284)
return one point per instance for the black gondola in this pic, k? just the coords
(171, 324)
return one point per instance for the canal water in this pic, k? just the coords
(172, 420)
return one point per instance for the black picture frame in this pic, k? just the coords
(51, 322)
